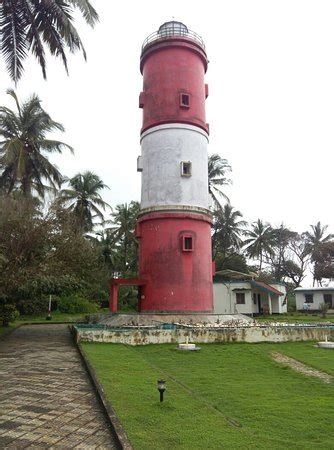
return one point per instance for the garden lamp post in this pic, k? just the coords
(161, 389)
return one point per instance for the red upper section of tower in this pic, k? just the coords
(173, 63)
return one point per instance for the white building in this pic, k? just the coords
(249, 297)
(312, 298)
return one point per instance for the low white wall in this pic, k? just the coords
(251, 335)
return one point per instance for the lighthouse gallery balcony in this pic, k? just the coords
(172, 29)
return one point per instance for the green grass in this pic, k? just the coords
(57, 317)
(308, 353)
(296, 317)
(212, 391)
(5, 330)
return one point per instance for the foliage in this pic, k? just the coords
(8, 312)
(31, 25)
(232, 261)
(217, 169)
(33, 306)
(23, 161)
(45, 253)
(75, 304)
(49, 284)
(316, 241)
(122, 232)
(227, 230)
(291, 303)
(324, 307)
(260, 241)
(84, 199)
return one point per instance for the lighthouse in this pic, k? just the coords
(174, 225)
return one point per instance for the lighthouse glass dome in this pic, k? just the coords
(173, 29)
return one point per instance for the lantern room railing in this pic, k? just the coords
(169, 33)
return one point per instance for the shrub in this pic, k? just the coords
(43, 285)
(291, 303)
(36, 306)
(8, 312)
(324, 307)
(75, 304)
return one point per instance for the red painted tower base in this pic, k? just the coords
(175, 262)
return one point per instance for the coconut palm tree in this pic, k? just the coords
(124, 219)
(315, 241)
(228, 229)
(83, 198)
(217, 169)
(35, 25)
(23, 150)
(261, 239)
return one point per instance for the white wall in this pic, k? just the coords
(163, 149)
(224, 296)
(277, 306)
(318, 298)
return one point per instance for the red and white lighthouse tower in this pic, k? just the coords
(174, 226)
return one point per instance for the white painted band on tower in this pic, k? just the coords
(174, 166)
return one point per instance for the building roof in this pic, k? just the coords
(314, 289)
(262, 286)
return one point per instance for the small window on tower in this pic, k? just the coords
(184, 100)
(187, 244)
(186, 169)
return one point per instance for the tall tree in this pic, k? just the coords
(260, 241)
(279, 255)
(217, 170)
(227, 230)
(315, 241)
(35, 25)
(83, 198)
(124, 219)
(24, 148)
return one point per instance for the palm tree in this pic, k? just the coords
(261, 239)
(315, 241)
(84, 199)
(228, 230)
(31, 25)
(23, 160)
(217, 169)
(124, 219)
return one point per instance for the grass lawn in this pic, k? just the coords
(225, 396)
(306, 352)
(56, 318)
(296, 317)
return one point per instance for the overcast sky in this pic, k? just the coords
(270, 109)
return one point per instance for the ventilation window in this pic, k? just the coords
(187, 244)
(186, 169)
(184, 100)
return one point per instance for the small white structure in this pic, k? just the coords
(249, 297)
(310, 299)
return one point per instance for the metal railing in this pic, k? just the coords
(169, 33)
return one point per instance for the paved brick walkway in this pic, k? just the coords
(46, 399)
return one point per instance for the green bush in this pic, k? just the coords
(291, 303)
(43, 285)
(8, 312)
(75, 304)
(36, 306)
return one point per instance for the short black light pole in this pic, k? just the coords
(161, 389)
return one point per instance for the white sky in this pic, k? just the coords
(270, 109)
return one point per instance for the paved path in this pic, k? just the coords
(46, 398)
